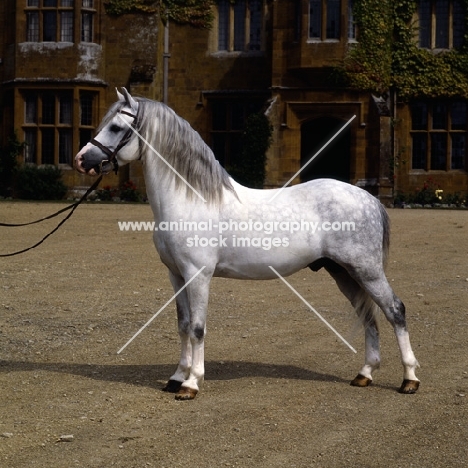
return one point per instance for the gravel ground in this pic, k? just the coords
(276, 391)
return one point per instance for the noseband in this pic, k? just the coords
(113, 153)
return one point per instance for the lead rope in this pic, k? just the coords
(71, 207)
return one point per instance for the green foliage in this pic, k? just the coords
(122, 7)
(387, 55)
(8, 164)
(106, 193)
(249, 168)
(39, 183)
(368, 64)
(128, 192)
(430, 193)
(196, 13)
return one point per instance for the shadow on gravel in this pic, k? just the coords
(153, 375)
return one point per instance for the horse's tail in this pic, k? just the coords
(366, 309)
(386, 233)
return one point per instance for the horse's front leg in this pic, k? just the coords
(183, 319)
(197, 292)
(185, 363)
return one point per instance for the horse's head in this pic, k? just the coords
(115, 144)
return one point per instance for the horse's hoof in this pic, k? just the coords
(409, 386)
(361, 381)
(186, 393)
(173, 386)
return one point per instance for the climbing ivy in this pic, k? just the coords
(368, 64)
(387, 54)
(197, 13)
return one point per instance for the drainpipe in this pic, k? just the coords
(166, 56)
(395, 180)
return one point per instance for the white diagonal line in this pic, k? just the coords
(312, 309)
(161, 309)
(312, 158)
(160, 157)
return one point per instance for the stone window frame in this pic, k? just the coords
(55, 124)
(439, 135)
(229, 112)
(239, 26)
(440, 24)
(69, 21)
(343, 13)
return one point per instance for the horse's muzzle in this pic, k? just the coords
(92, 162)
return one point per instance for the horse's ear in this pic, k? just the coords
(128, 99)
(120, 95)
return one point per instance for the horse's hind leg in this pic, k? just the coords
(394, 311)
(365, 309)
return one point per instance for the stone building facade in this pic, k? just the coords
(276, 57)
(60, 62)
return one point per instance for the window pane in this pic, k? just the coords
(67, 3)
(86, 109)
(458, 23)
(85, 137)
(458, 116)
(223, 25)
(425, 24)
(439, 116)
(88, 3)
(333, 19)
(48, 109)
(50, 3)
(66, 106)
(66, 26)
(351, 23)
(239, 25)
(458, 151)
(65, 147)
(438, 151)
(315, 19)
(442, 24)
(419, 156)
(50, 26)
(419, 116)
(32, 20)
(31, 109)
(219, 113)
(255, 24)
(234, 148)
(237, 116)
(33, 3)
(87, 27)
(219, 147)
(48, 146)
(30, 138)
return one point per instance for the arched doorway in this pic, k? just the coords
(334, 161)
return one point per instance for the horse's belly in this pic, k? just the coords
(262, 262)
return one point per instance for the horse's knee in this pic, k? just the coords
(184, 327)
(197, 332)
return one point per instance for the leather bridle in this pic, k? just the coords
(124, 140)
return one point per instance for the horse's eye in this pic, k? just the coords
(115, 128)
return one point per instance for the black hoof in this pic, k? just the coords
(361, 381)
(185, 394)
(173, 386)
(409, 387)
